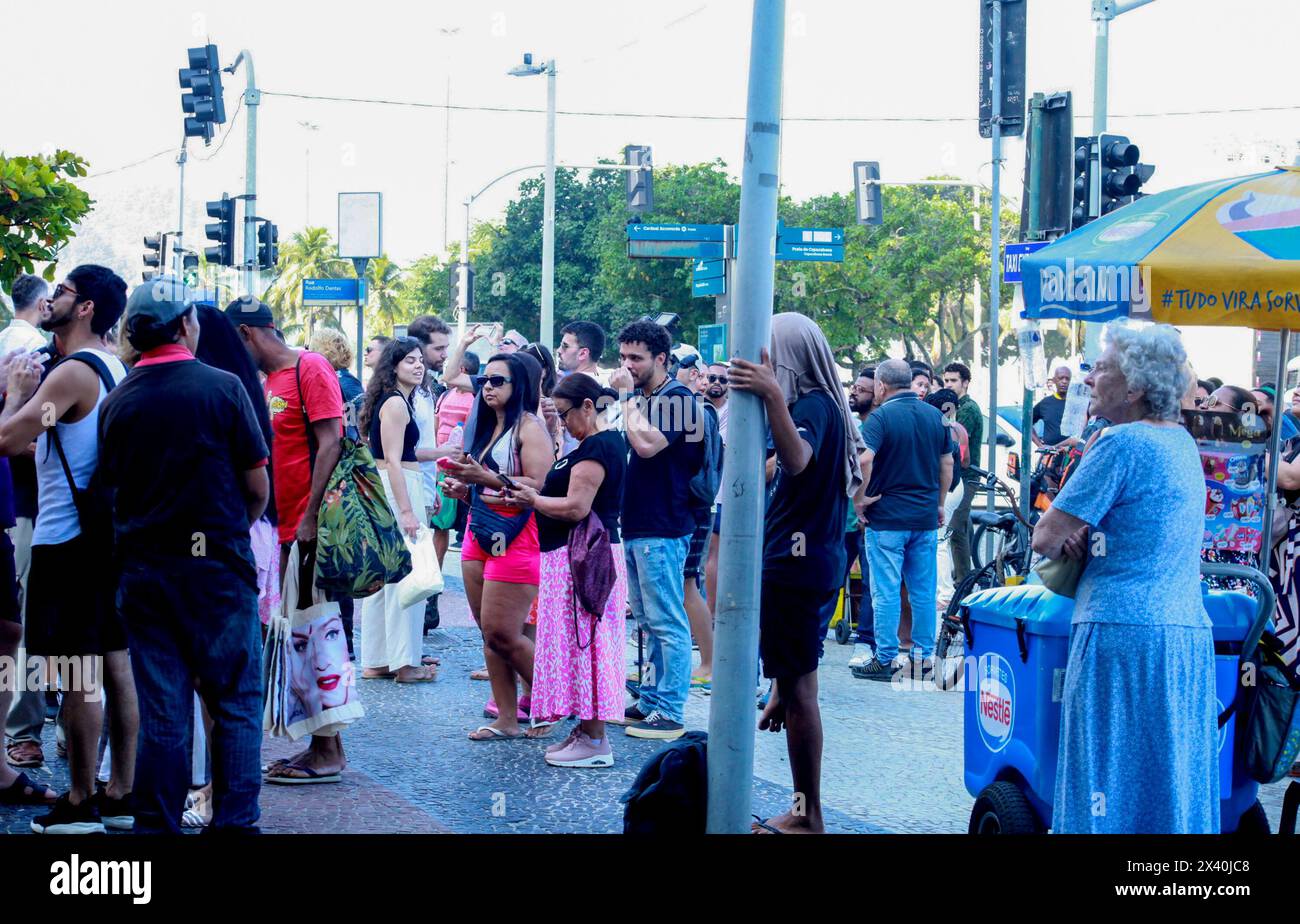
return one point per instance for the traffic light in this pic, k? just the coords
(1049, 161)
(190, 269)
(462, 287)
(204, 103)
(1081, 214)
(866, 180)
(640, 183)
(268, 246)
(222, 231)
(153, 255)
(1117, 157)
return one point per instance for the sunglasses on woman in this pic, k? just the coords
(496, 381)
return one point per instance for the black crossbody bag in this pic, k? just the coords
(93, 504)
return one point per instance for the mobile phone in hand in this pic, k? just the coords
(505, 480)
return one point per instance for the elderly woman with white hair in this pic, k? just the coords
(1139, 736)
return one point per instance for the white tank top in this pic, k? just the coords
(56, 515)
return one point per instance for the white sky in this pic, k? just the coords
(100, 79)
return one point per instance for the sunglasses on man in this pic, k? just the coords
(717, 379)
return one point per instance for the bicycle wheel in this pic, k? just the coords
(950, 644)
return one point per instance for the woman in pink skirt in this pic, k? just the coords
(578, 660)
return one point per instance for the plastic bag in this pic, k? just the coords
(425, 578)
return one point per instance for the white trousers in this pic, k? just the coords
(393, 637)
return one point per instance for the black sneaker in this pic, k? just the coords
(874, 670)
(118, 814)
(66, 818)
(431, 616)
(631, 715)
(655, 725)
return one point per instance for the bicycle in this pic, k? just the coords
(1012, 558)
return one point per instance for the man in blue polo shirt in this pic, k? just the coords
(908, 465)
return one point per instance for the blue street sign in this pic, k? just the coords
(1012, 256)
(708, 269)
(329, 291)
(674, 232)
(717, 285)
(809, 235)
(713, 342)
(678, 248)
(787, 250)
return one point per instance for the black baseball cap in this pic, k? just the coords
(250, 312)
(156, 304)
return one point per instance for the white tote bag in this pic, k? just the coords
(425, 578)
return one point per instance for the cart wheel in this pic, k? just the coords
(843, 631)
(1003, 809)
(1253, 821)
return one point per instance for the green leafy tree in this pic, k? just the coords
(383, 294)
(310, 254)
(39, 211)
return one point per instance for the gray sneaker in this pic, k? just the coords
(656, 726)
(582, 753)
(560, 746)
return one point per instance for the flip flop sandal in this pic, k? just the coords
(17, 794)
(480, 674)
(429, 661)
(763, 823)
(490, 711)
(311, 777)
(494, 734)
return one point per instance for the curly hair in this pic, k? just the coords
(383, 380)
(1153, 362)
(333, 345)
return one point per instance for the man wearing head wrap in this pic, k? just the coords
(908, 464)
(185, 458)
(817, 446)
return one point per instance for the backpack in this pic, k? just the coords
(706, 482)
(670, 795)
(359, 546)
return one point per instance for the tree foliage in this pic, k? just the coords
(39, 211)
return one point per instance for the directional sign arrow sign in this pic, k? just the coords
(708, 269)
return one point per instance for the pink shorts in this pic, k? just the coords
(520, 565)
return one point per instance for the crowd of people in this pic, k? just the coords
(163, 466)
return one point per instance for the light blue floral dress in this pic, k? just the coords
(1139, 724)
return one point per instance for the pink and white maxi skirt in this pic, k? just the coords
(568, 678)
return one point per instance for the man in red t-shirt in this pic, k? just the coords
(302, 390)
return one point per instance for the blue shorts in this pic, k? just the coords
(717, 519)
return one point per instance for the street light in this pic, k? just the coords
(529, 69)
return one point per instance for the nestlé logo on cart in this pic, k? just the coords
(996, 701)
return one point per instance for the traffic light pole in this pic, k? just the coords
(735, 653)
(177, 248)
(548, 216)
(252, 98)
(995, 239)
(1103, 11)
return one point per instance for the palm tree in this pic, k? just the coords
(310, 254)
(383, 282)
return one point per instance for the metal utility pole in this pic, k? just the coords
(548, 216)
(179, 269)
(1103, 11)
(735, 657)
(995, 240)
(252, 98)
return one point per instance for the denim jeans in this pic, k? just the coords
(655, 593)
(898, 555)
(193, 620)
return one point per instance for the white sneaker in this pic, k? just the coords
(861, 655)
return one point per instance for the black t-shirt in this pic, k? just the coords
(1049, 411)
(175, 439)
(607, 449)
(803, 534)
(657, 502)
(909, 440)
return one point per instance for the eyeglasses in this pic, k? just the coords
(60, 290)
(718, 379)
(562, 414)
(496, 381)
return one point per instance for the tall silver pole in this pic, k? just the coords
(735, 652)
(178, 259)
(252, 98)
(548, 218)
(977, 351)
(446, 166)
(995, 240)
(462, 315)
(1100, 64)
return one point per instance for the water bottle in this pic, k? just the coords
(1033, 361)
(457, 436)
(1077, 398)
